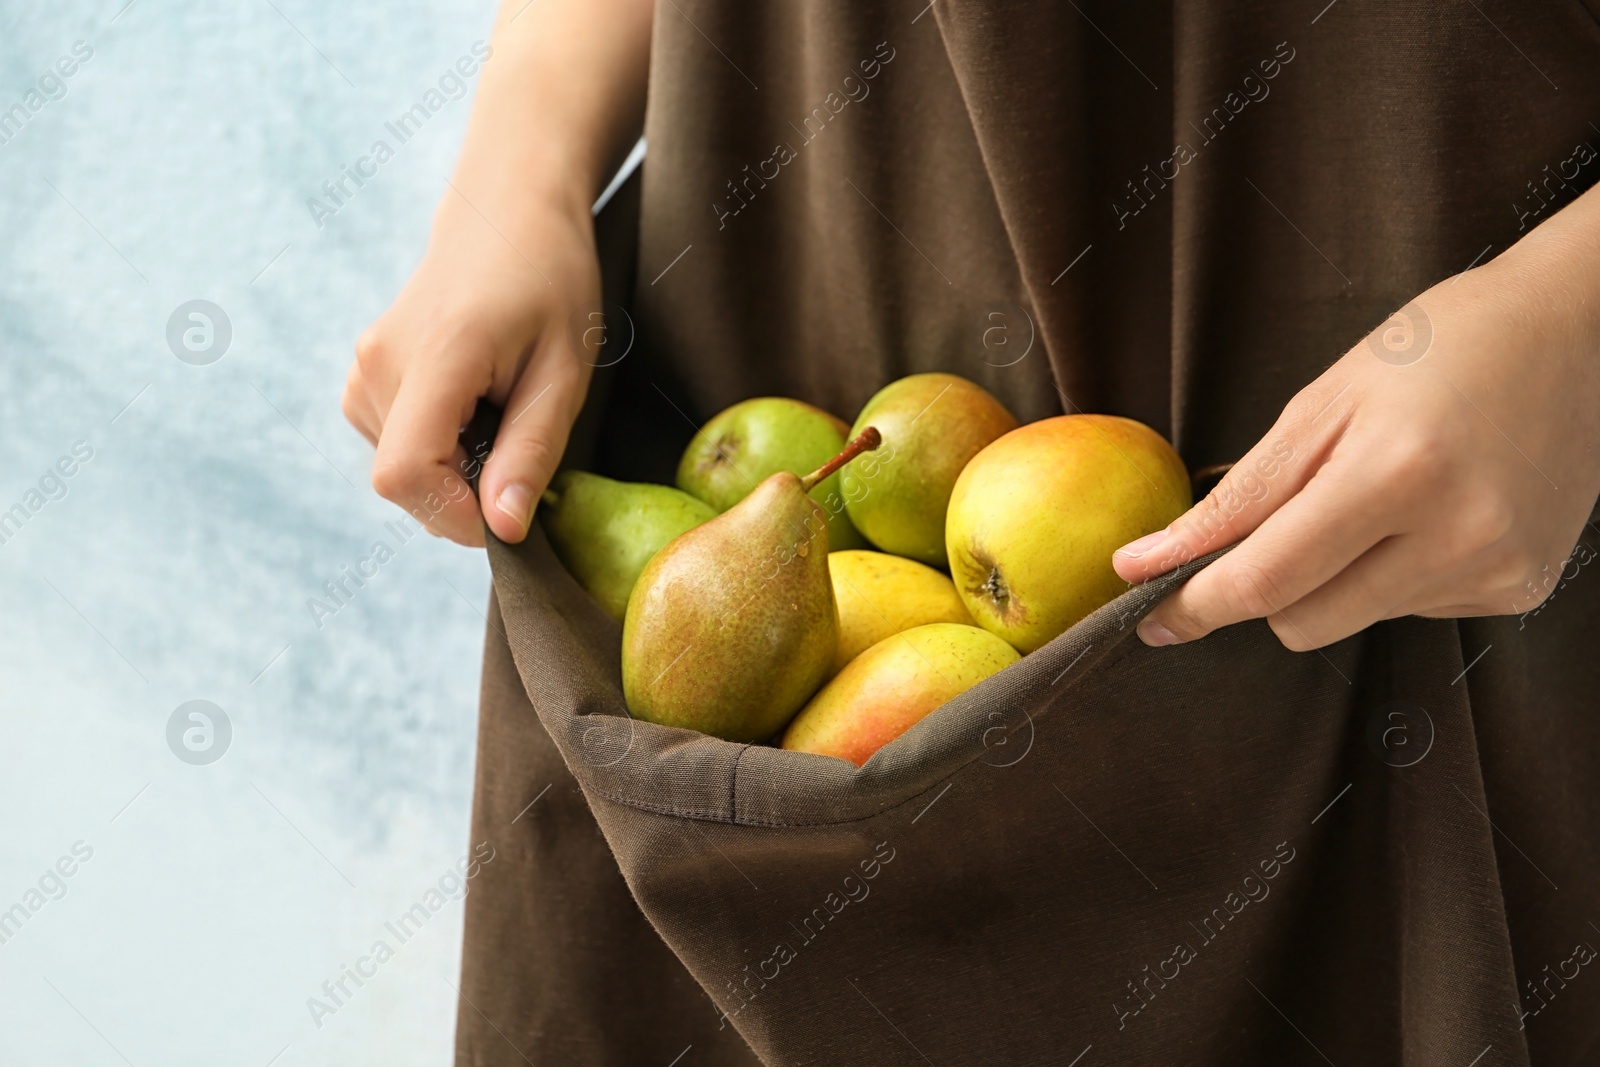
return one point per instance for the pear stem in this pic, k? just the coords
(868, 439)
(550, 498)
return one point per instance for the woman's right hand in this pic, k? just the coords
(501, 304)
(494, 310)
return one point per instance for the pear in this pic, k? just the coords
(892, 686)
(754, 439)
(732, 626)
(879, 594)
(604, 531)
(1035, 518)
(931, 425)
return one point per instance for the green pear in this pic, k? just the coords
(604, 531)
(754, 439)
(1035, 518)
(894, 685)
(932, 424)
(732, 626)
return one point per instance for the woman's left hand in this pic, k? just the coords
(1444, 467)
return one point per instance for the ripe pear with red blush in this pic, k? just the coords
(892, 686)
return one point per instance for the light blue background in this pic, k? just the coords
(179, 563)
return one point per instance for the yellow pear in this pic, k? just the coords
(1035, 516)
(892, 686)
(879, 595)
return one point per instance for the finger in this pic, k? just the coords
(1314, 536)
(418, 449)
(374, 370)
(1255, 487)
(1386, 576)
(532, 437)
(357, 406)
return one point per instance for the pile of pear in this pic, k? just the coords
(825, 587)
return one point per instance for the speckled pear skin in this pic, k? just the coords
(732, 626)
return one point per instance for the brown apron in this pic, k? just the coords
(1220, 853)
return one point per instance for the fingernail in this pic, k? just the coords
(515, 501)
(1135, 549)
(1154, 634)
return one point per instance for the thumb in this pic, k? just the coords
(538, 416)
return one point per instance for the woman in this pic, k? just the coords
(1192, 211)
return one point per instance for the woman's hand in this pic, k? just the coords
(489, 313)
(1443, 467)
(502, 305)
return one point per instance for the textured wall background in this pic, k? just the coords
(176, 564)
